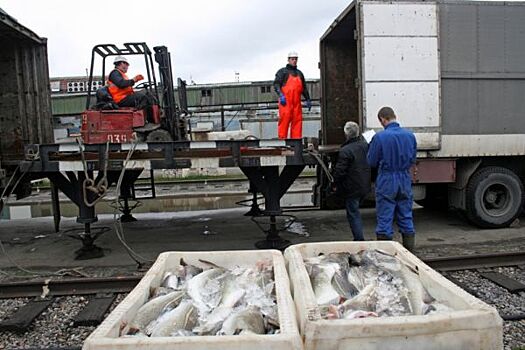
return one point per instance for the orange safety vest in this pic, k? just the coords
(117, 93)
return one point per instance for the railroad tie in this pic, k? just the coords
(506, 282)
(461, 285)
(22, 319)
(93, 313)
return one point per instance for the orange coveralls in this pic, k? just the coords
(292, 113)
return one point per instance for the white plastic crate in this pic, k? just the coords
(472, 325)
(106, 336)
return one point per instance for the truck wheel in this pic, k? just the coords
(159, 135)
(494, 197)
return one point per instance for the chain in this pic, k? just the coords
(101, 187)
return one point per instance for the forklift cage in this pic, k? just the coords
(130, 49)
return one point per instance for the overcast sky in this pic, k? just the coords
(209, 40)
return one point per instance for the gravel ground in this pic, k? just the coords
(53, 328)
(506, 303)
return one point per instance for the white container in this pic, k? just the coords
(472, 325)
(106, 336)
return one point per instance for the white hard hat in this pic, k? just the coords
(120, 59)
(292, 54)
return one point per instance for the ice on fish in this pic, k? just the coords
(191, 301)
(370, 283)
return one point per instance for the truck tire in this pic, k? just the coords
(494, 197)
(159, 135)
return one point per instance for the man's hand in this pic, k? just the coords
(138, 78)
(309, 105)
(282, 99)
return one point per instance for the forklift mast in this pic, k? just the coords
(175, 123)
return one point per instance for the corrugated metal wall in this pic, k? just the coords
(221, 94)
(482, 67)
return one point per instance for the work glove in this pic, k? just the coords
(282, 100)
(138, 78)
(309, 105)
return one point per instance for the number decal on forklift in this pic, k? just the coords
(117, 138)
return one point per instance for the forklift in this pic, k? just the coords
(105, 122)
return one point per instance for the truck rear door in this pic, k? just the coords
(399, 63)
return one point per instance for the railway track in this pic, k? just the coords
(452, 263)
(92, 298)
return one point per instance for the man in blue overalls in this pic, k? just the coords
(393, 152)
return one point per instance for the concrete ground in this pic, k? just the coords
(33, 242)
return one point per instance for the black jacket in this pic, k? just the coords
(352, 172)
(116, 78)
(281, 77)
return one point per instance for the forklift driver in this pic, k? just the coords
(121, 88)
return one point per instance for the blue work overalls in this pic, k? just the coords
(393, 152)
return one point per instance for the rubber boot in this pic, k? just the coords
(409, 242)
(382, 237)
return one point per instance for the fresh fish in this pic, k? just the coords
(363, 301)
(198, 289)
(356, 277)
(171, 281)
(183, 316)
(189, 270)
(435, 307)
(342, 259)
(249, 320)
(359, 314)
(152, 309)
(419, 297)
(231, 296)
(183, 333)
(321, 279)
(370, 283)
(159, 291)
(342, 285)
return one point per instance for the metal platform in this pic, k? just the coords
(84, 172)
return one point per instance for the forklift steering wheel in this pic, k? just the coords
(143, 85)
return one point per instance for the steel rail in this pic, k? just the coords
(454, 263)
(78, 286)
(123, 284)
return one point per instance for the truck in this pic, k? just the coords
(25, 101)
(454, 73)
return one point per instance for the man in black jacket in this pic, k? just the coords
(352, 176)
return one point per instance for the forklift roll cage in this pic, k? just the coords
(130, 49)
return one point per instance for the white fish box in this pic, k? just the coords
(472, 325)
(106, 336)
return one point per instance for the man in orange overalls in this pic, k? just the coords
(289, 84)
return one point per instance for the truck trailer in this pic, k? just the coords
(454, 73)
(25, 101)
